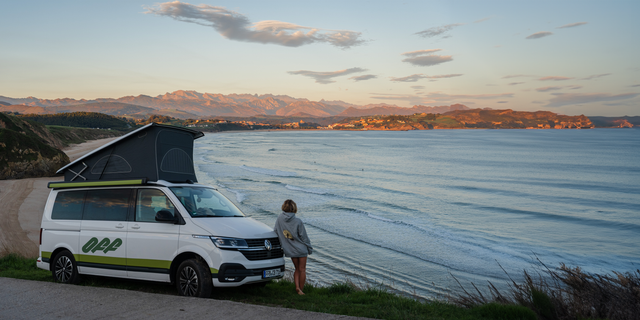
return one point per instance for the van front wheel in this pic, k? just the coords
(64, 268)
(194, 279)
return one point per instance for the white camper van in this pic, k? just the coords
(170, 231)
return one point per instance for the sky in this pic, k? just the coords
(568, 57)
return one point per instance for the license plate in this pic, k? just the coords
(271, 273)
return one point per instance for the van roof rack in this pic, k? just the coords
(102, 183)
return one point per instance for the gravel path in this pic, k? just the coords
(23, 299)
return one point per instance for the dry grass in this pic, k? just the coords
(565, 293)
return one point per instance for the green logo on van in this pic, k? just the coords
(105, 245)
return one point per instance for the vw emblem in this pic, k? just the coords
(267, 245)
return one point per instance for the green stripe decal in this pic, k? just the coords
(95, 183)
(145, 263)
(46, 255)
(148, 263)
(214, 271)
(102, 260)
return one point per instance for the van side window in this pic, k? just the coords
(150, 201)
(109, 205)
(68, 205)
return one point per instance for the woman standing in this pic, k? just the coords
(295, 242)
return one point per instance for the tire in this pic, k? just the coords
(64, 268)
(193, 279)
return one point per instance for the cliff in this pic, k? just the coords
(29, 149)
(26, 150)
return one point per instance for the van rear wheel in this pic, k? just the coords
(194, 279)
(64, 268)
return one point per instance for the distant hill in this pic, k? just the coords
(386, 110)
(615, 122)
(509, 119)
(466, 119)
(181, 104)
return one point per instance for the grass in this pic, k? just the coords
(559, 294)
(344, 298)
(566, 293)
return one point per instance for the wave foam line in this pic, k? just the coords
(270, 172)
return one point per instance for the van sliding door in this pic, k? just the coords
(103, 233)
(151, 245)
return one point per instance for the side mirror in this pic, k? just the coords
(166, 216)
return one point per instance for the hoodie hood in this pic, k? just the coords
(288, 216)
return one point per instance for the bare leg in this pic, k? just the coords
(300, 274)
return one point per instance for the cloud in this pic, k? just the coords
(424, 58)
(422, 87)
(235, 26)
(437, 31)
(418, 76)
(596, 76)
(411, 78)
(419, 52)
(564, 99)
(515, 83)
(634, 85)
(502, 101)
(325, 77)
(441, 76)
(571, 25)
(516, 76)
(539, 35)
(554, 78)
(556, 88)
(547, 89)
(363, 77)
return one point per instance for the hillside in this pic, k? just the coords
(26, 151)
(466, 119)
(30, 149)
(615, 122)
(79, 119)
(509, 119)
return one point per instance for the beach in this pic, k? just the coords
(23, 202)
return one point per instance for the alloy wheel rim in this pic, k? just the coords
(64, 269)
(188, 281)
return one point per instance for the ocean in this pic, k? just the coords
(420, 210)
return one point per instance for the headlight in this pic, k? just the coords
(229, 243)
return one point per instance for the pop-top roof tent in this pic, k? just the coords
(153, 152)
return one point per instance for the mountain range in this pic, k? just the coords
(192, 105)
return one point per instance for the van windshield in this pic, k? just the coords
(206, 202)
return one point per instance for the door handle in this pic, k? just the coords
(120, 226)
(135, 226)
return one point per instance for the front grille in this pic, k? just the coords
(257, 251)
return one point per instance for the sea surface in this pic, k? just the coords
(417, 210)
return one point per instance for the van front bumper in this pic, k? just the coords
(235, 274)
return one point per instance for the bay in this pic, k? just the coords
(414, 209)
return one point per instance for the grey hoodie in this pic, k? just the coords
(293, 236)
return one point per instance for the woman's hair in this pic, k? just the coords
(289, 206)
